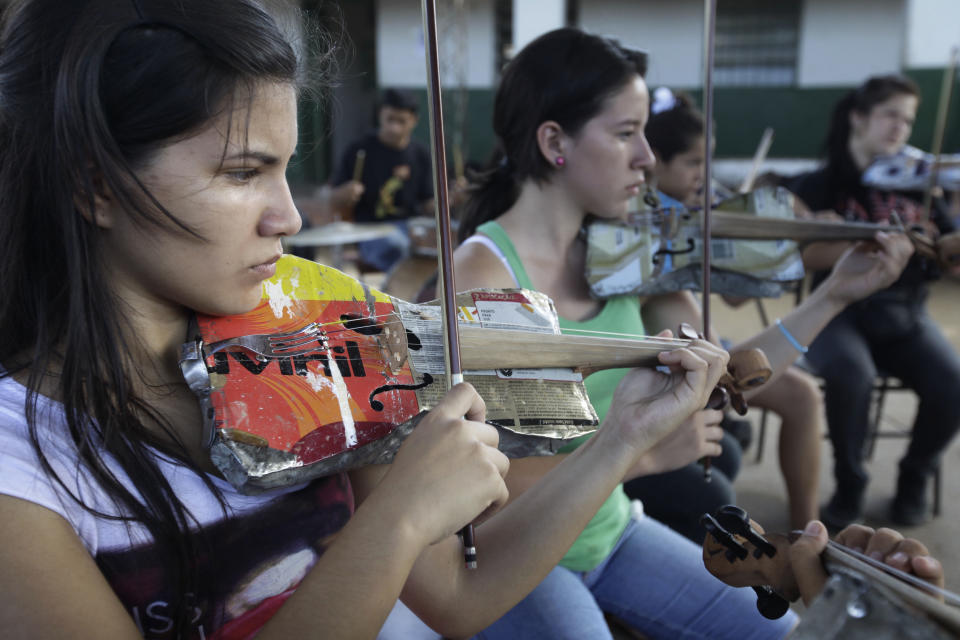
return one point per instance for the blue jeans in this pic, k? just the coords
(654, 581)
(383, 253)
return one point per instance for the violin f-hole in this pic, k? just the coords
(691, 245)
(376, 405)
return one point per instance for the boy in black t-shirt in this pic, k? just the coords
(394, 181)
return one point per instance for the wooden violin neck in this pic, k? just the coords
(748, 227)
(510, 349)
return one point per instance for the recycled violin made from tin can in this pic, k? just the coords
(328, 374)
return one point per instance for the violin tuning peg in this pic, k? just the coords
(735, 550)
(738, 403)
(687, 332)
(719, 399)
(734, 519)
(770, 604)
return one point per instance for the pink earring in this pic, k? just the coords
(560, 161)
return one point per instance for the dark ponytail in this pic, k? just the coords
(565, 75)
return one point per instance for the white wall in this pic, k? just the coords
(670, 30)
(932, 28)
(843, 42)
(532, 18)
(400, 47)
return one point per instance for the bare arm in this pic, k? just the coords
(820, 256)
(49, 583)
(669, 310)
(519, 545)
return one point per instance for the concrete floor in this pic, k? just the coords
(760, 487)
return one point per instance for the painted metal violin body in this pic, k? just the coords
(328, 374)
(911, 169)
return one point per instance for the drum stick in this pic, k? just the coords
(358, 165)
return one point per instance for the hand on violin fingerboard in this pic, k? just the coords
(649, 404)
(886, 545)
(869, 266)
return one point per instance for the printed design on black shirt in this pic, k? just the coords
(386, 203)
(254, 563)
(881, 205)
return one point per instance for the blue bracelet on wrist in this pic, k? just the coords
(789, 336)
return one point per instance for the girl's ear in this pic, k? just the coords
(552, 141)
(101, 210)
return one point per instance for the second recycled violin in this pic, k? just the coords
(328, 374)
(873, 599)
(755, 247)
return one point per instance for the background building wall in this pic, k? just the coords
(840, 43)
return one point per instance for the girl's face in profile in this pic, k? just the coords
(682, 177)
(887, 127)
(605, 161)
(227, 183)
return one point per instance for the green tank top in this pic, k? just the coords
(620, 314)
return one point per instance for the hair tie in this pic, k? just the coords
(663, 100)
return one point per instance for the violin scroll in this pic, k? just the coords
(746, 370)
(738, 552)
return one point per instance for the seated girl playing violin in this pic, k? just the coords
(889, 331)
(675, 132)
(146, 144)
(569, 115)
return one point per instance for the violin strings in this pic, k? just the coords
(505, 326)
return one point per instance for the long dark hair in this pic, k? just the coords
(565, 75)
(89, 90)
(675, 129)
(840, 166)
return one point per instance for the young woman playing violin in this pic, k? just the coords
(889, 331)
(146, 144)
(570, 114)
(675, 132)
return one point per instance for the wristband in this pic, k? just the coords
(789, 336)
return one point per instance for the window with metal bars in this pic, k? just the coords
(757, 42)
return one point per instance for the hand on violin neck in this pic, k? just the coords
(868, 267)
(805, 560)
(889, 546)
(448, 472)
(696, 437)
(648, 404)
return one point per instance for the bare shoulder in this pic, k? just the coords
(50, 586)
(477, 266)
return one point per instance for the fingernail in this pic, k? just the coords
(898, 558)
(876, 555)
(814, 527)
